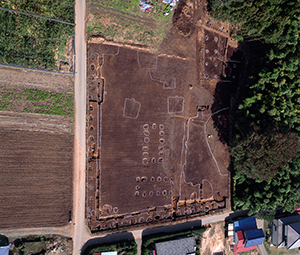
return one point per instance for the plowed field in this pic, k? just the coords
(35, 178)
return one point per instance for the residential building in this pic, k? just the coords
(285, 232)
(183, 246)
(246, 235)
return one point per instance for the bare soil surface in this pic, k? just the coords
(36, 170)
(213, 240)
(183, 17)
(158, 124)
(35, 122)
(22, 78)
(150, 130)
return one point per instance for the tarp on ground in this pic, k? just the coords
(4, 250)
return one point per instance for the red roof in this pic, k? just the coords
(237, 249)
(241, 246)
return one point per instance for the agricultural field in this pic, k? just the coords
(36, 42)
(36, 154)
(36, 172)
(36, 101)
(31, 91)
(158, 124)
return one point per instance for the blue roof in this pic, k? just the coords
(246, 224)
(254, 237)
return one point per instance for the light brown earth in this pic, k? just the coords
(35, 122)
(213, 240)
(23, 78)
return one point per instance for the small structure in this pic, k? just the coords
(182, 246)
(4, 245)
(230, 234)
(145, 6)
(285, 232)
(171, 5)
(107, 253)
(246, 235)
(170, 2)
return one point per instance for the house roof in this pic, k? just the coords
(176, 247)
(290, 219)
(238, 249)
(245, 224)
(254, 237)
(293, 235)
(288, 226)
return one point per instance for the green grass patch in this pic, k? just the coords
(36, 101)
(272, 250)
(123, 21)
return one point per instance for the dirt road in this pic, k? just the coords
(80, 234)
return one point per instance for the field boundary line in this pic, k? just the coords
(210, 150)
(37, 16)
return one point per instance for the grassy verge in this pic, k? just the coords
(122, 21)
(35, 101)
(148, 243)
(126, 247)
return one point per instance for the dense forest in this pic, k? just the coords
(266, 118)
(35, 42)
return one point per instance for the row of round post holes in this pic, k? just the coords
(153, 160)
(215, 38)
(152, 179)
(153, 126)
(151, 193)
(145, 152)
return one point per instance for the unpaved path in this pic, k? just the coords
(23, 78)
(80, 233)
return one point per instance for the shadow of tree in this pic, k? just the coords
(108, 242)
(222, 95)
